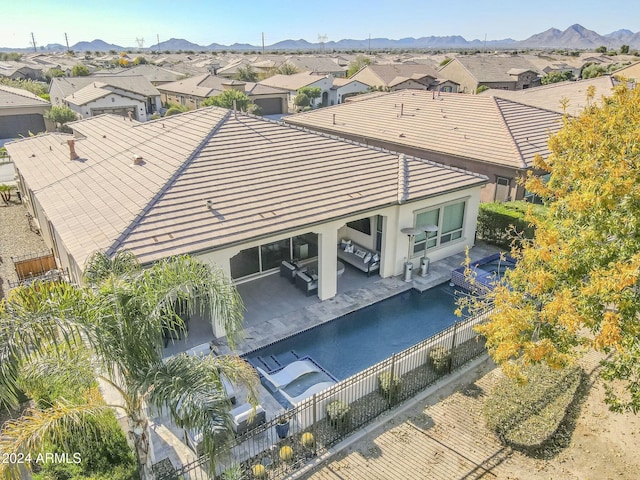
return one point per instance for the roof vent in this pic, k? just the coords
(209, 203)
(138, 160)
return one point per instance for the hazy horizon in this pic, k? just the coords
(205, 22)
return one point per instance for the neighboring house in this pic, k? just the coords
(238, 190)
(500, 72)
(573, 94)
(20, 71)
(488, 135)
(630, 72)
(156, 75)
(22, 113)
(293, 83)
(400, 76)
(119, 94)
(546, 64)
(317, 65)
(344, 88)
(191, 92)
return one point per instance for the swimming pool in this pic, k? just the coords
(351, 343)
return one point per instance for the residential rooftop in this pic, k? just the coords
(552, 96)
(16, 97)
(209, 179)
(485, 128)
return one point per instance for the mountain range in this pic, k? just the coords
(574, 37)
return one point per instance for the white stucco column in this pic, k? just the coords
(390, 235)
(327, 263)
(221, 260)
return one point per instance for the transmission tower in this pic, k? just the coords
(140, 42)
(322, 39)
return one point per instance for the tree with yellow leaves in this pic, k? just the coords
(576, 284)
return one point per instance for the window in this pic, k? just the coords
(182, 101)
(268, 256)
(363, 225)
(450, 222)
(503, 189)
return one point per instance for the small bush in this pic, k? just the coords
(497, 221)
(526, 416)
(338, 414)
(389, 386)
(439, 357)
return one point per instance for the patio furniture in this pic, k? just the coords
(288, 271)
(244, 419)
(307, 283)
(363, 259)
(291, 372)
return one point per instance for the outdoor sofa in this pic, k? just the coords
(358, 256)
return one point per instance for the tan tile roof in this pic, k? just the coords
(132, 83)
(89, 93)
(489, 68)
(291, 82)
(488, 129)
(208, 85)
(16, 97)
(550, 96)
(389, 72)
(260, 176)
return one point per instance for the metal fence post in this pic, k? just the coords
(453, 346)
(314, 426)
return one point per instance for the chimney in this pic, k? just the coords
(72, 150)
(137, 160)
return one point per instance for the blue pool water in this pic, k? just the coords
(360, 339)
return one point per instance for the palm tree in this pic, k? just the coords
(120, 316)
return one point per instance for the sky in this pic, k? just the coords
(204, 22)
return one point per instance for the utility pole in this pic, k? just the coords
(33, 43)
(66, 39)
(158, 37)
(485, 43)
(369, 44)
(263, 43)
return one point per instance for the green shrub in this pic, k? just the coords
(338, 414)
(104, 453)
(389, 386)
(440, 358)
(498, 222)
(526, 415)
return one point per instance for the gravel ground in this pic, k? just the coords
(16, 238)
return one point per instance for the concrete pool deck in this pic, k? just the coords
(276, 310)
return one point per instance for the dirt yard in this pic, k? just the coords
(444, 437)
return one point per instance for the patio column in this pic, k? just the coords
(327, 263)
(390, 263)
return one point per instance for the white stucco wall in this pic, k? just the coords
(113, 100)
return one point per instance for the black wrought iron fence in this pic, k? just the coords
(319, 422)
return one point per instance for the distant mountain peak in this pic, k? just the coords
(576, 37)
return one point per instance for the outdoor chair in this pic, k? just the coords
(288, 270)
(306, 283)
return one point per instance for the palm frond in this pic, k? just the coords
(34, 320)
(29, 433)
(191, 389)
(100, 266)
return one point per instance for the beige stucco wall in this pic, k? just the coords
(456, 72)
